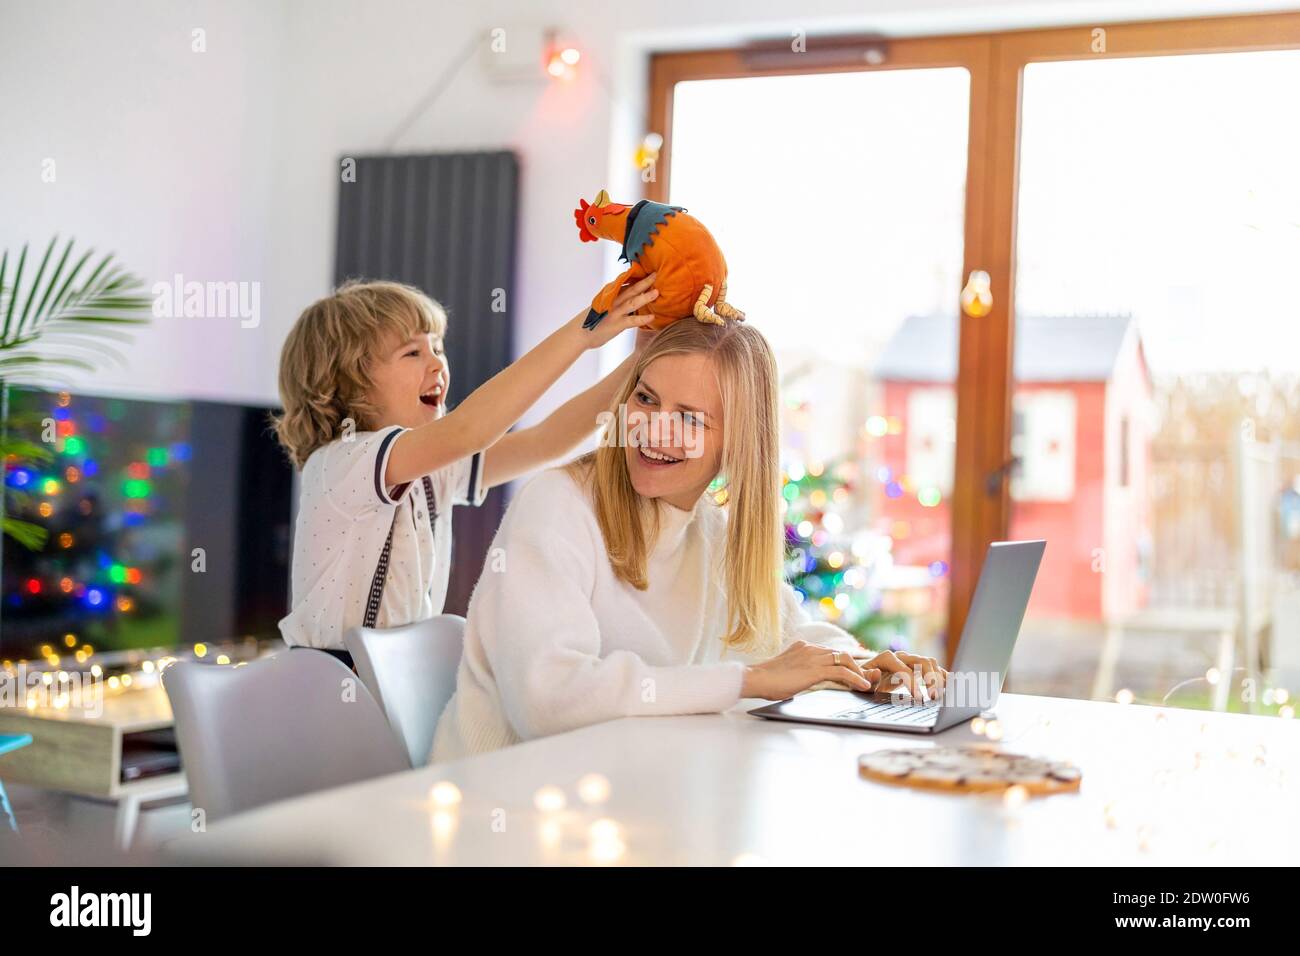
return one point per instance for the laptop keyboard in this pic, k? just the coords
(917, 715)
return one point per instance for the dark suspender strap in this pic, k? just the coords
(428, 499)
(377, 582)
(381, 571)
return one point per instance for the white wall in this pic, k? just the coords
(223, 165)
(162, 155)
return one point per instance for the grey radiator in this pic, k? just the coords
(446, 224)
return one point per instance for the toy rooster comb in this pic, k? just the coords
(692, 275)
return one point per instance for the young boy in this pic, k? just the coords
(363, 381)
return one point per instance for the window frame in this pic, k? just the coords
(981, 502)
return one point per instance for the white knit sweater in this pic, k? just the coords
(555, 641)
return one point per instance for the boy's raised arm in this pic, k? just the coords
(528, 449)
(488, 412)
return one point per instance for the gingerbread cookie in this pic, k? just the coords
(969, 770)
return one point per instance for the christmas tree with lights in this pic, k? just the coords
(827, 564)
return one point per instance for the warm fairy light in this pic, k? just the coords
(66, 540)
(47, 678)
(65, 585)
(124, 604)
(570, 56)
(593, 788)
(444, 793)
(549, 799)
(993, 730)
(1212, 676)
(1015, 795)
(80, 656)
(1286, 711)
(835, 559)
(46, 650)
(1144, 838)
(96, 670)
(126, 680)
(1281, 695)
(200, 650)
(147, 667)
(816, 468)
(113, 683)
(45, 509)
(223, 659)
(70, 640)
(978, 725)
(550, 833)
(604, 829)
(1124, 696)
(605, 841)
(444, 826)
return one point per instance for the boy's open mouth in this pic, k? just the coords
(655, 458)
(433, 397)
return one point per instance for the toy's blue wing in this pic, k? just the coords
(642, 223)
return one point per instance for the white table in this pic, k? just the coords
(730, 788)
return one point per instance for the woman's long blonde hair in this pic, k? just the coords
(747, 379)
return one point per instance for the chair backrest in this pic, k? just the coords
(275, 728)
(411, 670)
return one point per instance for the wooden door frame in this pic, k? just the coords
(996, 63)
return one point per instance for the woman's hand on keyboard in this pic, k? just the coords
(922, 677)
(803, 665)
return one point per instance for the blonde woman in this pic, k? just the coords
(617, 586)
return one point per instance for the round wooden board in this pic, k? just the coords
(969, 770)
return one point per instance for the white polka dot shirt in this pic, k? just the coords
(344, 514)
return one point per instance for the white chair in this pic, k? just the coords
(275, 728)
(411, 670)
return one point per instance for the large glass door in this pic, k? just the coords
(1157, 366)
(1124, 383)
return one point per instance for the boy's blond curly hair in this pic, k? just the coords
(326, 360)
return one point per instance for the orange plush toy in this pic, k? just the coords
(692, 275)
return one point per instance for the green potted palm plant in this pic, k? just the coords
(66, 314)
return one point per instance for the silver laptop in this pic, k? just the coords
(978, 672)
